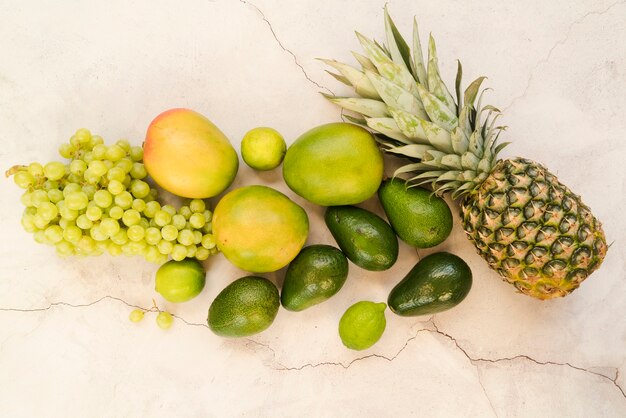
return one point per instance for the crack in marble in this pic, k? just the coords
(560, 42)
(282, 46)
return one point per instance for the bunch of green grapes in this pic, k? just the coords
(99, 201)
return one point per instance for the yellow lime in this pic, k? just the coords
(263, 148)
(362, 325)
(180, 281)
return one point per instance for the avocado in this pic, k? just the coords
(419, 217)
(316, 274)
(437, 283)
(364, 237)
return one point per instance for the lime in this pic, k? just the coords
(180, 281)
(263, 148)
(245, 307)
(362, 325)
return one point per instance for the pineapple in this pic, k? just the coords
(529, 227)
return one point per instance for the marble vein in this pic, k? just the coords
(559, 43)
(282, 46)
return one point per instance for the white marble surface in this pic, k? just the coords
(558, 69)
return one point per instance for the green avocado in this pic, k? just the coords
(316, 274)
(364, 237)
(420, 218)
(437, 283)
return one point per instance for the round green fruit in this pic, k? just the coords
(180, 281)
(259, 229)
(334, 164)
(362, 325)
(263, 148)
(245, 307)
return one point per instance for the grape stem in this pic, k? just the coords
(11, 171)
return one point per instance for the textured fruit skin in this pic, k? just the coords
(362, 325)
(420, 218)
(245, 307)
(334, 164)
(316, 274)
(180, 281)
(263, 148)
(436, 283)
(259, 229)
(186, 154)
(531, 229)
(364, 237)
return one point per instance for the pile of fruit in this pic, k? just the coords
(531, 229)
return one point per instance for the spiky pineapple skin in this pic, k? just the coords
(531, 229)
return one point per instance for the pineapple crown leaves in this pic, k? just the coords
(451, 141)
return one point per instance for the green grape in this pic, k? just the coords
(131, 217)
(78, 167)
(83, 135)
(50, 185)
(179, 221)
(97, 233)
(137, 247)
(191, 251)
(197, 220)
(99, 151)
(71, 188)
(109, 227)
(197, 237)
(114, 249)
(97, 167)
(47, 210)
(151, 254)
(136, 153)
(103, 198)
(179, 252)
(139, 205)
(162, 218)
(32, 211)
(124, 200)
(185, 237)
(89, 190)
(27, 198)
(144, 223)
(54, 233)
(136, 315)
(63, 223)
(152, 196)
(185, 211)
(125, 164)
(165, 247)
(95, 140)
(40, 236)
(28, 223)
(169, 209)
(55, 195)
(116, 173)
(86, 245)
(64, 248)
(208, 215)
(202, 253)
(35, 169)
(120, 238)
(164, 320)
(135, 233)
(116, 212)
(115, 153)
(83, 222)
(54, 170)
(91, 177)
(214, 250)
(169, 232)
(66, 150)
(208, 241)
(126, 181)
(88, 157)
(138, 171)
(38, 197)
(76, 200)
(152, 235)
(123, 144)
(23, 179)
(93, 213)
(115, 187)
(65, 212)
(139, 188)
(151, 209)
(72, 234)
(197, 206)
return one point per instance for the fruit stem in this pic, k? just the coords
(11, 171)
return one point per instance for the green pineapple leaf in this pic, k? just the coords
(398, 48)
(419, 70)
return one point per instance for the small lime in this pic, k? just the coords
(362, 325)
(180, 281)
(263, 148)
